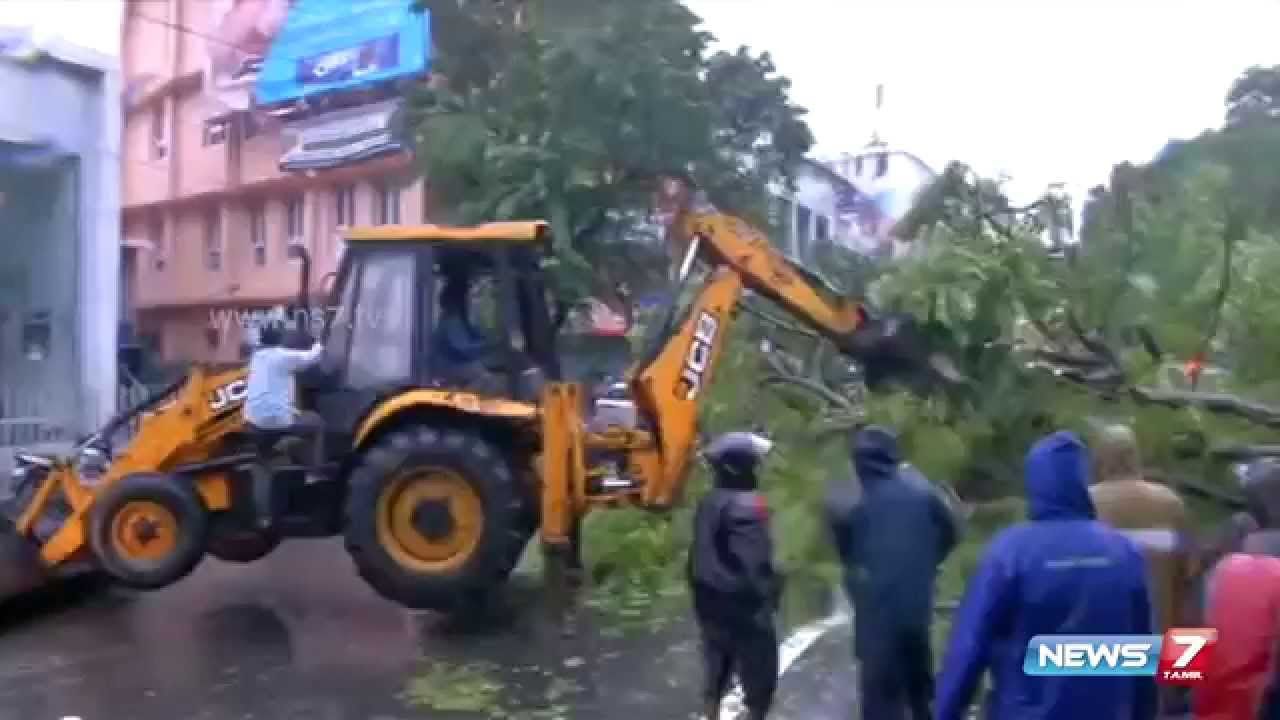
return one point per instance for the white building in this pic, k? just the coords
(60, 267)
(887, 183)
(810, 215)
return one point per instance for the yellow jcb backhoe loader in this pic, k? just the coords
(436, 483)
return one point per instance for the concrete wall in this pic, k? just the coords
(71, 242)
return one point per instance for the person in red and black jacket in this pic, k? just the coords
(1243, 605)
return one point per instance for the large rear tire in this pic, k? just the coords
(148, 530)
(435, 519)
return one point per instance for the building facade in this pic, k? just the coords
(886, 184)
(809, 214)
(59, 272)
(218, 183)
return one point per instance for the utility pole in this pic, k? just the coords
(876, 140)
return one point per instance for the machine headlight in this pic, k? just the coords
(91, 465)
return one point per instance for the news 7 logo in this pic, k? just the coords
(1186, 656)
(1182, 657)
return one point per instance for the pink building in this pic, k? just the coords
(207, 213)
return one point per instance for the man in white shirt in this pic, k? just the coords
(270, 404)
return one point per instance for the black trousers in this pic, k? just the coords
(896, 677)
(747, 648)
(310, 425)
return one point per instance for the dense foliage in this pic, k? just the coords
(562, 110)
(1185, 248)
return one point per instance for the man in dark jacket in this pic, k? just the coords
(1064, 572)
(735, 588)
(891, 541)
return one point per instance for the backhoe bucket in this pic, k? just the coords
(896, 347)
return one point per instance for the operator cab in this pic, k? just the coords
(457, 308)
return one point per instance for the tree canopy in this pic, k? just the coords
(575, 110)
(1254, 96)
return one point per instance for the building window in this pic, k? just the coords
(212, 338)
(781, 217)
(804, 221)
(215, 132)
(386, 210)
(159, 142)
(155, 236)
(822, 230)
(293, 220)
(248, 126)
(344, 205)
(258, 233)
(213, 240)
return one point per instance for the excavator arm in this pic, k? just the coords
(668, 383)
(667, 388)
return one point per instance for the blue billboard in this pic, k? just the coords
(331, 45)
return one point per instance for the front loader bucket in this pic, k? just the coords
(20, 569)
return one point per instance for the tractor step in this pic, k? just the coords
(306, 474)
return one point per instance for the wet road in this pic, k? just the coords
(298, 635)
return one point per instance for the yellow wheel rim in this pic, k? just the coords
(143, 530)
(429, 520)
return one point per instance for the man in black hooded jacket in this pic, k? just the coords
(891, 541)
(731, 573)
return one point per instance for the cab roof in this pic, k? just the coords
(524, 231)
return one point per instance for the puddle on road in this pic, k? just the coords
(291, 638)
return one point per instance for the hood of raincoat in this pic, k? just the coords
(1057, 478)
(1262, 492)
(875, 454)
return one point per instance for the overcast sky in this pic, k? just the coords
(1047, 91)
(90, 23)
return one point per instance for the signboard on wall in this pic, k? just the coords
(343, 137)
(243, 31)
(331, 45)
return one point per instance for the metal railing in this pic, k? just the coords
(131, 393)
(25, 418)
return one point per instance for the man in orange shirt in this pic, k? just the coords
(1155, 518)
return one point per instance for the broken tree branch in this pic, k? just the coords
(778, 322)
(813, 387)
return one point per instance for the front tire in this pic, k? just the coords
(434, 519)
(148, 530)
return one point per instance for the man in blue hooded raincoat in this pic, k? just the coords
(1063, 572)
(891, 541)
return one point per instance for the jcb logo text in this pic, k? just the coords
(228, 395)
(699, 356)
